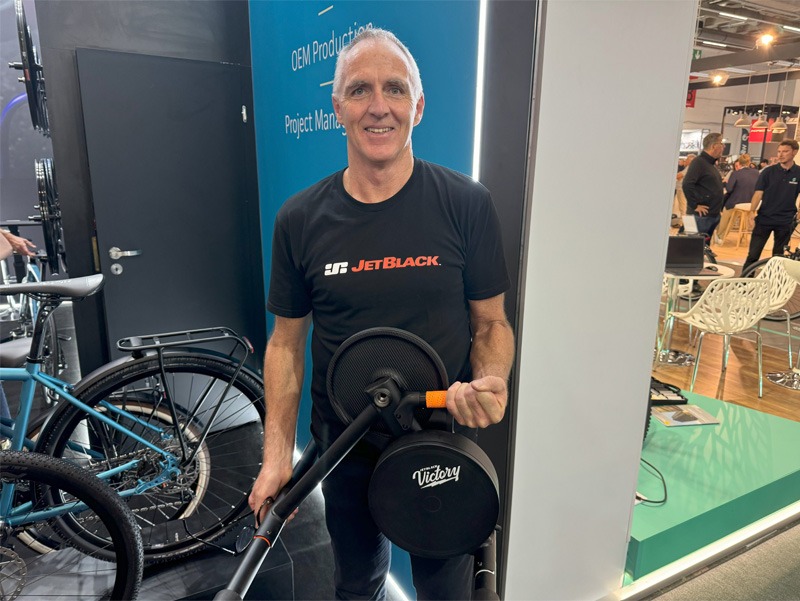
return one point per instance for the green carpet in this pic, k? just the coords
(720, 478)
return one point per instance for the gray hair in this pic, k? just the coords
(711, 139)
(384, 35)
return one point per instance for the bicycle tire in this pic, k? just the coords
(210, 494)
(792, 306)
(113, 571)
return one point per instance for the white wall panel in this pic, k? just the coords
(614, 76)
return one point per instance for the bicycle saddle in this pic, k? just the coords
(70, 288)
(433, 493)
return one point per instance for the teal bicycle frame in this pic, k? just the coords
(30, 376)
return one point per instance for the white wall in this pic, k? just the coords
(598, 229)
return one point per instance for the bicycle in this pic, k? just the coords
(793, 306)
(43, 501)
(176, 429)
(17, 318)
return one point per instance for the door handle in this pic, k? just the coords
(115, 253)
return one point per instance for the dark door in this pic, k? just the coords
(173, 185)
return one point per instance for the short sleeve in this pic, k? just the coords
(485, 273)
(288, 295)
(761, 182)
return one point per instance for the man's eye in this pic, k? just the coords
(396, 91)
(358, 92)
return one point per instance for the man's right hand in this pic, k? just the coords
(701, 210)
(270, 481)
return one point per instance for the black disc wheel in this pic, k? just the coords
(50, 215)
(110, 570)
(376, 353)
(200, 411)
(793, 306)
(435, 494)
(32, 74)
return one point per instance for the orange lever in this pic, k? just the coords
(435, 399)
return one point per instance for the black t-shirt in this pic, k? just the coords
(779, 203)
(410, 262)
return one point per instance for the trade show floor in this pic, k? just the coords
(719, 478)
(768, 570)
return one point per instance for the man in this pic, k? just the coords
(679, 204)
(703, 188)
(773, 208)
(328, 267)
(739, 188)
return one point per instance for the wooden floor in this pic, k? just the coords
(739, 384)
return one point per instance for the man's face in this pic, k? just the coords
(377, 107)
(716, 150)
(786, 155)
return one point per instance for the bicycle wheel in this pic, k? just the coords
(793, 306)
(112, 571)
(209, 493)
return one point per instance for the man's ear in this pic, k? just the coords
(420, 108)
(337, 108)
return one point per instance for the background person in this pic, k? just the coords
(703, 188)
(19, 245)
(774, 204)
(385, 203)
(739, 189)
(679, 205)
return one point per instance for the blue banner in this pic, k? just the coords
(298, 140)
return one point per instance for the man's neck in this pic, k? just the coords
(788, 165)
(373, 184)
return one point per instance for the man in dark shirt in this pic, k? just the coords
(775, 201)
(740, 187)
(385, 205)
(703, 187)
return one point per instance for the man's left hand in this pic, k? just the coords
(701, 210)
(479, 403)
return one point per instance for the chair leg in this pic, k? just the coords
(789, 335)
(697, 360)
(760, 370)
(726, 349)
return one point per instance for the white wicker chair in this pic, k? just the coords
(782, 286)
(789, 379)
(729, 306)
(684, 292)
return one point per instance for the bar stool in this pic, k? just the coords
(739, 219)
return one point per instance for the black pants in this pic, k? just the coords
(759, 237)
(362, 553)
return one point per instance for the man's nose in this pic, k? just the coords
(378, 106)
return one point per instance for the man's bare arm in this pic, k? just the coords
(284, 366)
(483, 401)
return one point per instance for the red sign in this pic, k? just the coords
(691, 95)
(757, 134)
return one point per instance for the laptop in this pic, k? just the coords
(685, 256)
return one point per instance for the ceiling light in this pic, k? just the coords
(744, 120)
(732, 16)
(767, 39)
(718, 78)
(778, 126)
(790, 28)
(762, 123)
(717, 44)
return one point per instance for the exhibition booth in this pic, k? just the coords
(179, 129)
